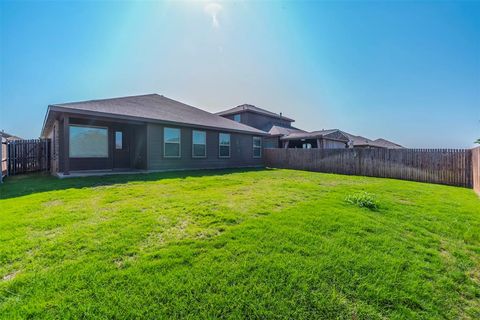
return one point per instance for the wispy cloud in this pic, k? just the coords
(213, 9)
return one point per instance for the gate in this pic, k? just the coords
(26, 156)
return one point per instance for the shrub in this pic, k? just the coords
(363, 200)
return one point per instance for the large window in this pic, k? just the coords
(224, 145)
(237, 117)
(171, 142)
(199, 144)
(88, 142)
(257, 147)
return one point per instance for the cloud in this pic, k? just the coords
(213, 9)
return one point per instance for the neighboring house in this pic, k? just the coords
(323, 139)
(276, 125)
(147, 132)
(383, 143)
(256, 117)
(365, 143)
(281, 133)
(9, 137)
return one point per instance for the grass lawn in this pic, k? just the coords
(236, 244)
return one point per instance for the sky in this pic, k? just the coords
(405, 71)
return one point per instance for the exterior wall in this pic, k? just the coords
(241, 150)
(260, 121)
(53, 135)
(333, 144)
(137, 146)
(271, 142)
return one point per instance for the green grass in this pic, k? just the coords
(236, 244)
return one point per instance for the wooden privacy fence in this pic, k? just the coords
(3, 158)
(443, 166)
(28, 156)
(476, 169)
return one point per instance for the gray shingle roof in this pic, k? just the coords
(379, 143)
(159, 108)
(387, 144)
(252, 108)
(314, 134)
(277, 130)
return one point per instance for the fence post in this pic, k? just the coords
(1, 159)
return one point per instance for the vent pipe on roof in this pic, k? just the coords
(280, 114)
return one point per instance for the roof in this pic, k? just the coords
(365, 142)
(151, 108)
(334, 134)
(8, 136)
(254, 109)
(357, 140)
(387, 144)
(277, 130)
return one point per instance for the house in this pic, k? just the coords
(323, 139)
(276, 125)
(365, 143)
(281, 133)
(146, 132)
(8, 136)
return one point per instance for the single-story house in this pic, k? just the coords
(323, 139)
(8, 136)
(365, 143)
(146, 132)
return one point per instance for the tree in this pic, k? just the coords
(478, 141)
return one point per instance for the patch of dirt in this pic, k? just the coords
(53, 203)
(405, 201)
(10, 275)
(122, 261)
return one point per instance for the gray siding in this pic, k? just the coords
(262, 122)
(241, 150)
(333, 144)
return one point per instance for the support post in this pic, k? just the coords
(66, 146)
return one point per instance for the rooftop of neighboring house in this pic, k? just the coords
(254, 109)
(282, 131)
(333, 134)
(8, 136)
(387, 144)
(150, 107)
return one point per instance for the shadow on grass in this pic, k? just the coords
(22, 185)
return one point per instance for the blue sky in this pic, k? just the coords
(405, 71)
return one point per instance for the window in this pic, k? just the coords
(199, 144)
(171, 143)
(118, 140)
(88, 142)
(237, 117)
(224, 145)
(257, 147)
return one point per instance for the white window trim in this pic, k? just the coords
(193, 144)
(179, 143)
(253, 146)
(88, 126)
(229, 146)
